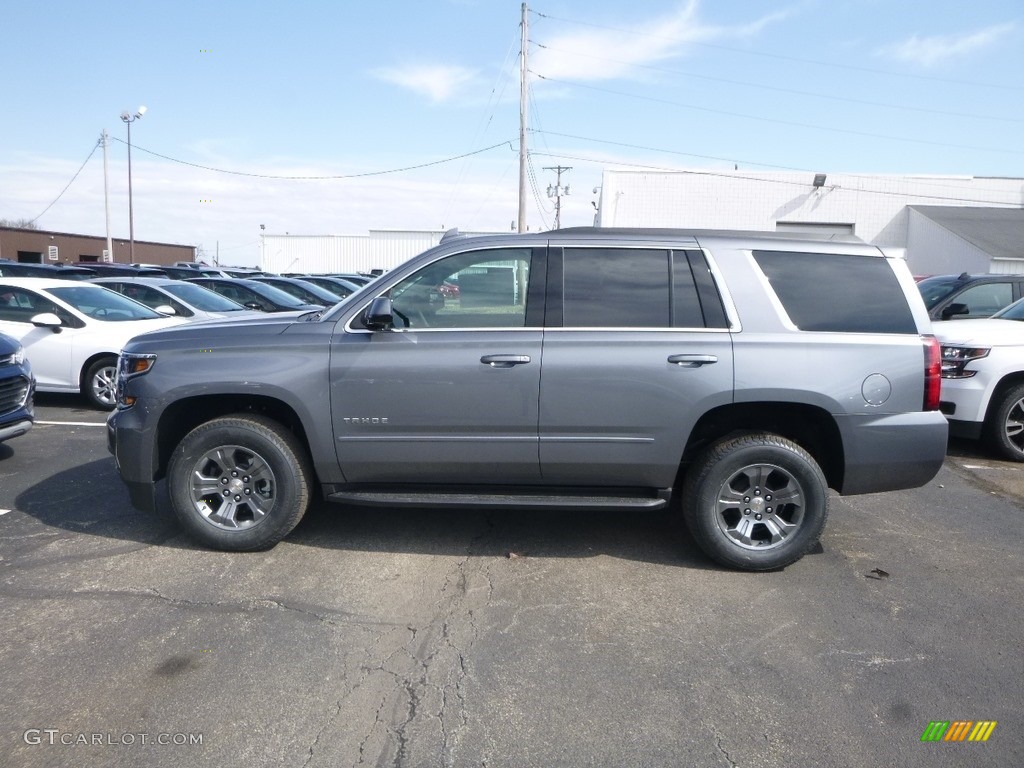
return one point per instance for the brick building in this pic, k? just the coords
(36, 246)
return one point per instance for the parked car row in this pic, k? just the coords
(72, 325)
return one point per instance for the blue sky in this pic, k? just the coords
(240, 94)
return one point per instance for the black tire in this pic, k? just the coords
(1006, 425)
(239, 483)
(731, 502)
(98, 384)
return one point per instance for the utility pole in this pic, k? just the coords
(557, 190)
(522, 123)
(105, 140)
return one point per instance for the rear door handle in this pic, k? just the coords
(692, 361)
(504, 361)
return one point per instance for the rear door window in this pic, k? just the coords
(637, 288)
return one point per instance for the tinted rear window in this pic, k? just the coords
(835, 292)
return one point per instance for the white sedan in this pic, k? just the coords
(983, 379)
(72, 332)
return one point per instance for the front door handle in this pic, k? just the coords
(504, 361)
(692, 361)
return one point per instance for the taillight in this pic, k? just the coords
(932, 373)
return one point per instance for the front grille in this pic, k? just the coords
(13, 393)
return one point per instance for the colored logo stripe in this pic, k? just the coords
(958, 730)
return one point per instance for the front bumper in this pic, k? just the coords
(15, 429)
(133, 454)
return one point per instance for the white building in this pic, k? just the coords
(946, 223)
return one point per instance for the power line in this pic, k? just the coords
(792, 123)
(94, 146)
(786, 182)
(510, 144)
(731, 160)
(793, 91)
(783, 57)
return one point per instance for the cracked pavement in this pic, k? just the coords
(478, 638)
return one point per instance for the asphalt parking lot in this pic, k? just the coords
(477, 638)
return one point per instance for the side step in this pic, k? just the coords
(518, 500)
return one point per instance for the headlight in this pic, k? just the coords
(955, 360)
(129, 366)
(17, 357)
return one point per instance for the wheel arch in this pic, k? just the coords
(811, 427)
(88, 363)
(1008, 381)
(182, 416)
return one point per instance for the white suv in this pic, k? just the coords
(983, 379)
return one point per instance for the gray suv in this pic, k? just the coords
(740, 375)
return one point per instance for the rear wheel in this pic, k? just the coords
(756, 502)
(239, 482)
(1006, 428)
(98, 383)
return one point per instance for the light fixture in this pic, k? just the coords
(819, 180)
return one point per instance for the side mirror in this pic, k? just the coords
(254, 305)
(379, 316)
(955, 309)
(166, 310)
(47, 320)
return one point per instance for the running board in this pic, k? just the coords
(517, 500)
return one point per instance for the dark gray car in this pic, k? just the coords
(742, 376)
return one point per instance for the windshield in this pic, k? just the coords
(276, 295)
(202, 298)
(935, 289)
(102, 304)
(306, 292)
(1013, 312)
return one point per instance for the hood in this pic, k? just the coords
(259, 323)
(980, 333)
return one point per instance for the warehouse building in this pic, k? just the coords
(38, 246)
(945, 223)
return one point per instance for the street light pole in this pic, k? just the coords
(128, 120)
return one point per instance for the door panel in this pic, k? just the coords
(612, 400)
(449, 395)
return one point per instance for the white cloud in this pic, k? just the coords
(439, 82)
(928, 51)
(604, 54)
(174, 203)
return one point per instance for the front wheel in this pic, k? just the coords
(98, 383)
(1006, 429)
(239, 482)
(755, 502)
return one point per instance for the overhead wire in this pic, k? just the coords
(481, 130)
(792, 91)
(365, 174)
(68, 185)
(777, 121)
(784, 182)
(784, 57)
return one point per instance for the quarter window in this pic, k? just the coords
(837, 292)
